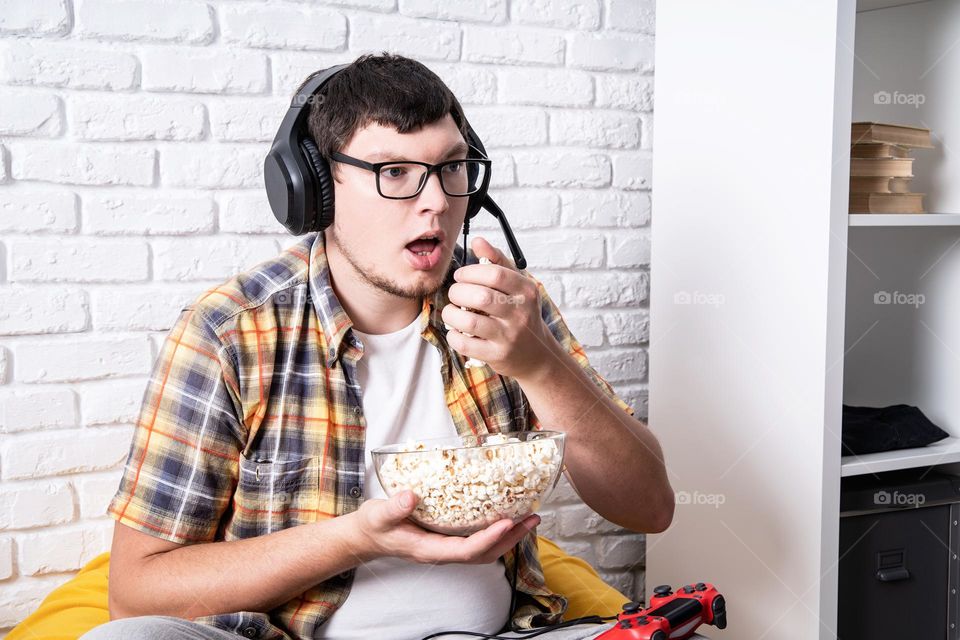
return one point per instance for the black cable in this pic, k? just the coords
(528, 633)
(466, 232)
(513, 586)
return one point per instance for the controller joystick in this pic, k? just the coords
(719, 608)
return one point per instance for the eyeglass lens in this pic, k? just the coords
(401, 180)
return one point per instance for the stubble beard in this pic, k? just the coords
(382, 282)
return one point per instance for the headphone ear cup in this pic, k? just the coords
(472, 209)
(475, 201)
(323, 183)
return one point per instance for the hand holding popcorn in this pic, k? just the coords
(464, 489)
(383, 528)
(494, 317)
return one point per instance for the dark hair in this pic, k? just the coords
(388, 89)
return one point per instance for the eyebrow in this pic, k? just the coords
(391, 156)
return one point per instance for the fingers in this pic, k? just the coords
(398, 507)
(483, 298)
(483, 249)
(493, 276)
(466, 321)
(513, 535)
(393, 535)
(489, 544)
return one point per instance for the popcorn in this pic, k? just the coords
(463, 490)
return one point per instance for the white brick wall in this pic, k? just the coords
(132, 136)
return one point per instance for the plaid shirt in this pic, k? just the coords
(252, 422)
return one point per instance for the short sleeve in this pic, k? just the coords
(554, 320)
(182, 467)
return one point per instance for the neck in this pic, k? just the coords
(371, 309)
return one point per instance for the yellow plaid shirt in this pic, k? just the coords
(252, 422)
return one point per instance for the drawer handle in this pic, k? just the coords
(892, 575)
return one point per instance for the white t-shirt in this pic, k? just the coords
(399, 375)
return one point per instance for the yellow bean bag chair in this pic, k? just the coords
(79, 605)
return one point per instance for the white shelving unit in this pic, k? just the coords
(944, 452)
(804, 307)
(905, 220)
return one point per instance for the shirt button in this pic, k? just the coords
(250, 632)
(356, 492)
(357, 411)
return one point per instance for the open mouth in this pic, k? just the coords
(424, 252)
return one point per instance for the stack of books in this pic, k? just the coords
(881, 167)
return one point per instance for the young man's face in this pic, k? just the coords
(374, 233)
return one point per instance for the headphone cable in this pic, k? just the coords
(527, 633)
(466, 232)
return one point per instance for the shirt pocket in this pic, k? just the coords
(276, 494)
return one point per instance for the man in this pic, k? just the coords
(248, 504)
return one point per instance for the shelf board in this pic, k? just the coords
(943, 452)
(904, 219)
(872, 5)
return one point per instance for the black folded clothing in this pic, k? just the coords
(899, 426)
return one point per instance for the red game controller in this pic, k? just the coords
(672, 616)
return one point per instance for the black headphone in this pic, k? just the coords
(300, 185)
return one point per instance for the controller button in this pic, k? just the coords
(642, 620)
(663, 590)
(688, 589)
(701, 586)
(631, 607)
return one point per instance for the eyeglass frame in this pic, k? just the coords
(375, 167)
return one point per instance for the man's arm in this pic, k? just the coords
(613, 460)
(153, 576)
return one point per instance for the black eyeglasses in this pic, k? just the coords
(399, 180)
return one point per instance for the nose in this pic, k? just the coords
(432, 197)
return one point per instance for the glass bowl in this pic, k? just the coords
(466, 483)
